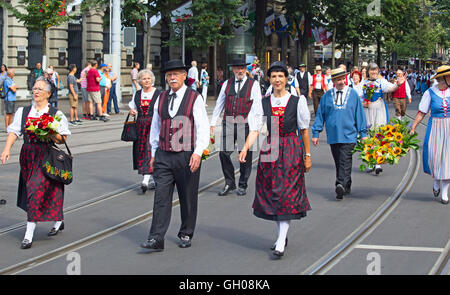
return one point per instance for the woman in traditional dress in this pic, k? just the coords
(39, 196)
(376, 110)
(280, 183)
(142, 106)
(436, 147)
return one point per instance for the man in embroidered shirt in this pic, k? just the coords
(342, 113)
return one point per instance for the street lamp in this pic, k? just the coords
(183, 20)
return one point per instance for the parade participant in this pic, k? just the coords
(342, 113)
(436, 147)
(347, 78)
(176, 155)
(304, 79)
(240, 97)
(356, 84)
(142, 106)
(317, 87)
(401, 94)
(376, 110)
(280, 183)
(39, 196)
(328, 80)
(292, 80)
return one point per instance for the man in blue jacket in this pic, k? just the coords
(341, 111)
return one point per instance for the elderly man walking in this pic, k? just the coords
(341, 111)
(179, 134)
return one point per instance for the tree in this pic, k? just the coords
(39, 15)
(260, 37)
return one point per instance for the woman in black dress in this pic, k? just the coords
(39, 196)
(280, 183)
(142, 106)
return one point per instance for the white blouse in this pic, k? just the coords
(144, 96)
(303, 115)
(16, 125)
(425, 102)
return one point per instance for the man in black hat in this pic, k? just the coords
(304, 79)
(240, 97)
(179, 135)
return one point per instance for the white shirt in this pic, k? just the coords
(310, 80)
(144, 96)
(303, 115)
(292, 90)
(256, 112)
(16, 125)
(425, 102)
(200, 122)
(193, 73)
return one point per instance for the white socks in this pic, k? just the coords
(436, 184)
(445, 187)
(30, 231)
(147, 179)
(283, 227)
(57, 225)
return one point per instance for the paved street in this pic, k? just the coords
(107, 217)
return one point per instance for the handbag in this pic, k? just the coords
(129, 132)
(57, 164)
(190, 81)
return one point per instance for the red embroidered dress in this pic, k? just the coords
(280, 182)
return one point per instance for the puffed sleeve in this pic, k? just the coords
(303, 115)
(63, 127)
(15, 127)
(425, 102)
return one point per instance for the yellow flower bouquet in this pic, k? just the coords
(386, 144)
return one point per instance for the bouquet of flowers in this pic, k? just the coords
(44, 127)
(211, 147)
(369, 89)
(386, 144)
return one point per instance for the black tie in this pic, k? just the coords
(339, 97)
(172, 99)
(239, 86)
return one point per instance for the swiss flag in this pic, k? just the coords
(63, 9)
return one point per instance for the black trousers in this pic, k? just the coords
(233, 133)
(170, 169)
(342, 155)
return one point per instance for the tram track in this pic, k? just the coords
(333, 257)
(97, 237)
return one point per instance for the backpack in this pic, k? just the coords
(2, 88)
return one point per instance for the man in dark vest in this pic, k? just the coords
(179, 135)
(240, 97)
(304, 80)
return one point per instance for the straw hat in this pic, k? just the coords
(442, 71)
(318, 68)
(338, 73)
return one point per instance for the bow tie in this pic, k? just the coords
(172, 99)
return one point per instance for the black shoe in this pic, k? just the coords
(144, 188)
(340, 191)
(227, 188)
(278, 253)
(103, 118)
(185, 242)
(285, 245)
(94, 118)
(153, 244)
(54, 232)
(436, 192)
(241, 191)
(378, 170)
(445, 202)
(348, 191)
(152, 185)
(26, 244)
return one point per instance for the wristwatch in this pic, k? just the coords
(308, 155)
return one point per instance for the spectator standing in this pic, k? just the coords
(193, 75)
(134, 77)
(93, 89)
(72, 83)
(205, 80)
(10, 99)
(103, 86)
(112, 92)
(52, 100)
(34, 74)
(84, 92)
(56, 80)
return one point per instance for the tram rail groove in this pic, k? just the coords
(92, 239)
(87, 203)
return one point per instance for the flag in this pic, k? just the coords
(293, 31)
(301, 26)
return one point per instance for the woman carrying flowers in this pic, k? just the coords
(374, 106)
(40, 125)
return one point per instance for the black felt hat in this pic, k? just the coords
(175, 64)
(278, 66)
(238, 62)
